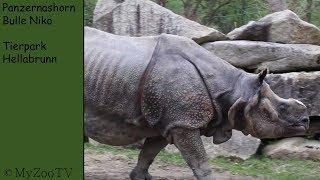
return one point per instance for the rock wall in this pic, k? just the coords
(281, 42)
(260, 45)
(146, 18)
(286, 45)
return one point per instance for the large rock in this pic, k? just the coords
(144, 18)
(284, 26)
(239, 145)
(298, 148)
(304, 86)
(254, 55)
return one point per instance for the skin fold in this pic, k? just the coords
(168, 89)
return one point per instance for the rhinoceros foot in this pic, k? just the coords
(140, 175)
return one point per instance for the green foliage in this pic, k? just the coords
(229, 14)
(175, 6)
(255, 166)
(225, 15)
(300, 8)
(234, 14)
(89, 6)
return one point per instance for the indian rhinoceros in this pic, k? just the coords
(168, 89)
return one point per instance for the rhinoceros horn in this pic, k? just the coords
(262, 75)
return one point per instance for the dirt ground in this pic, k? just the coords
(107, 166)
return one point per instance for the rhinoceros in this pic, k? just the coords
(168, 89)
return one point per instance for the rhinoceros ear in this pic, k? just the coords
(236, 113)
(262, 75)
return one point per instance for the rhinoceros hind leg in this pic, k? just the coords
(191, 147)
(150, 149)
(115, 131)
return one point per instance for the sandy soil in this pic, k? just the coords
(108, 166)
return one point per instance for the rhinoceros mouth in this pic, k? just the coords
(300, 126)
(298, 129)
(295, 126)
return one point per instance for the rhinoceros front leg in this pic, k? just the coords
(191, 147)
(151, 147)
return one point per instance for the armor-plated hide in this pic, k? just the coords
(183, 86)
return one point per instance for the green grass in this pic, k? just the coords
(272, 168)
(255, 166)
(133, 153)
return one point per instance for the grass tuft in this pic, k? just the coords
(259, 166)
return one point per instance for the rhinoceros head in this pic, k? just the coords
(266, 115)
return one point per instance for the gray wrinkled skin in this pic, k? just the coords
(168, 89)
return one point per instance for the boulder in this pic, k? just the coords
(304, 86)
(145, 18)
(284, 27)
(297, 147)
(239, 145)
(255, 55)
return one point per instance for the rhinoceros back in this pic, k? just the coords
(114, 66)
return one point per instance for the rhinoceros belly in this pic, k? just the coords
(114, 130)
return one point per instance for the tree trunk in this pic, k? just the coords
(187, 6)
(276, 5)
(295, 5)
(244, 8)
(308, 11)
(190, 9)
